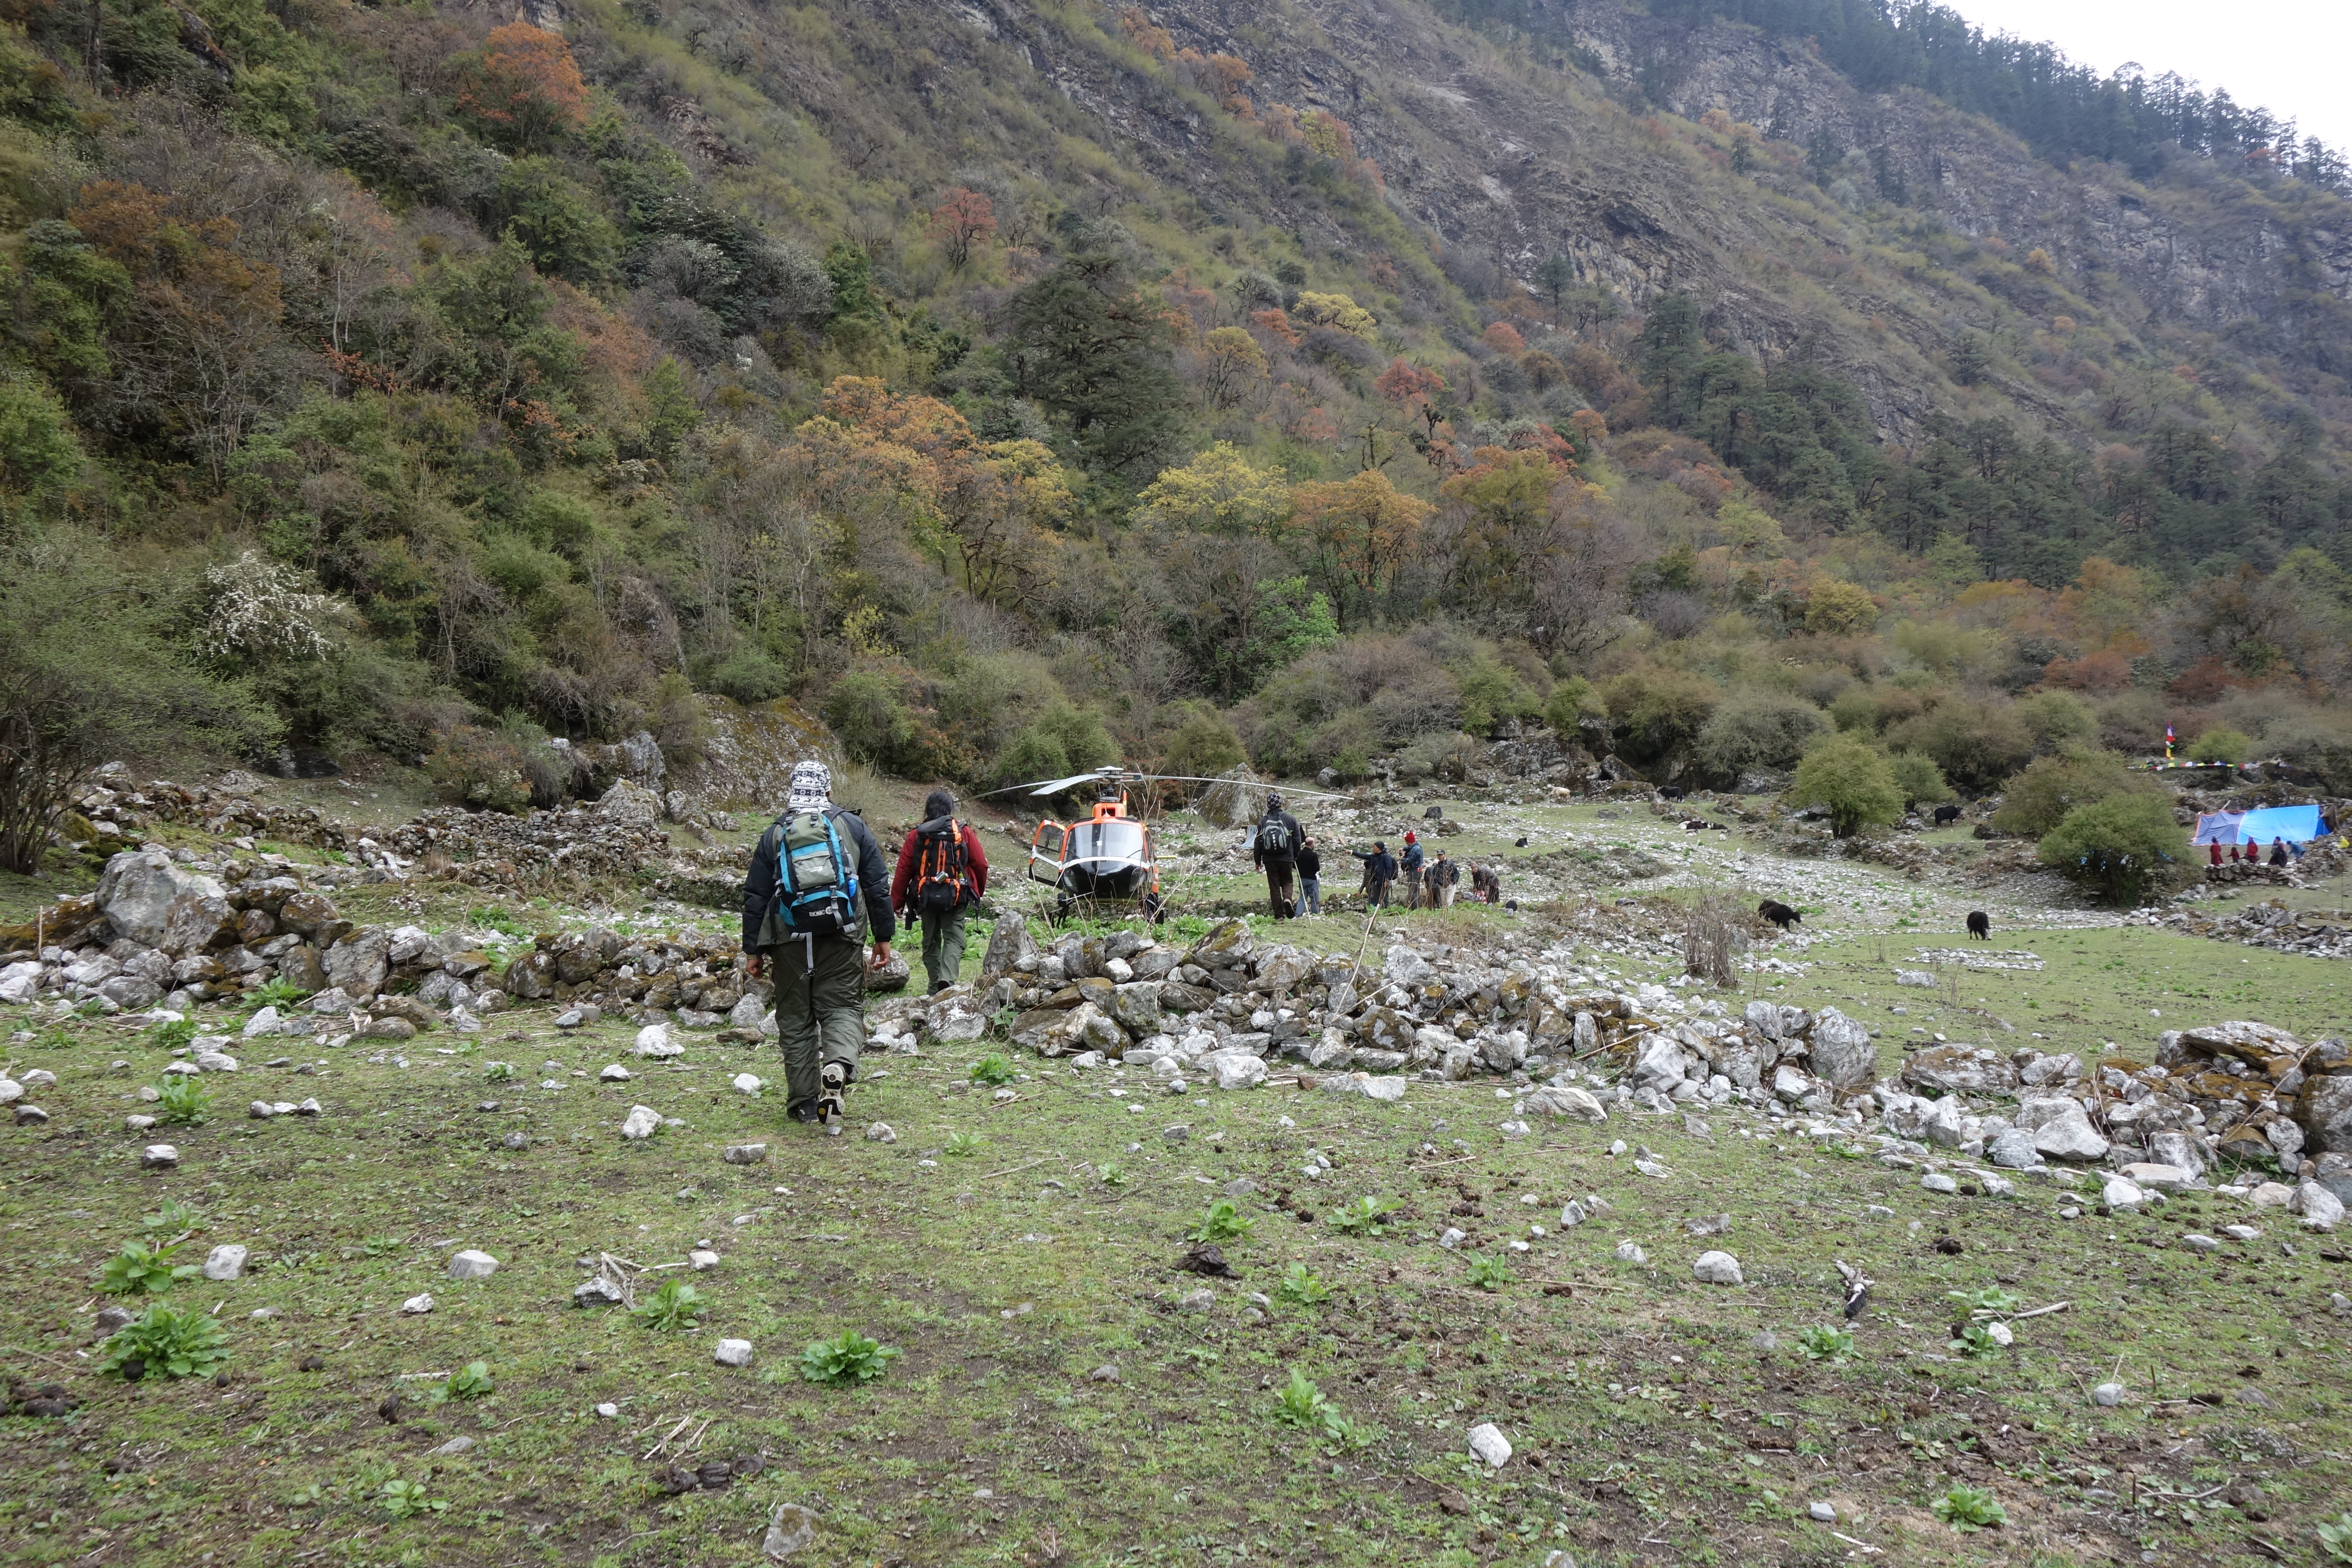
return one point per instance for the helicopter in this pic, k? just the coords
(1112, 856)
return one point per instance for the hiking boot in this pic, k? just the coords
(831, 1098)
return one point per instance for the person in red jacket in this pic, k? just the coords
(942, 872)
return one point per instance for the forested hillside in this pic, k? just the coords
(1022, 386)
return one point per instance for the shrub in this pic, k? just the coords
(1492, 694)
(1064, 739)
(1970, 1508)
(1976, 743)
(1919, 779)
(1752, 729)
(2038, 799)
(2221, 744)
(864, 710)
(1204, 746)
(480, 768)
(1223, 1222)
(37, 447)
(1823, 1342)
(1853, 781)
(750, 675)
(1654, 710)
(2056, 719)
(2122, 849)
(1299, 1403)
(1574, 701)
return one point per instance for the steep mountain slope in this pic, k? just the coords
(1008, 381)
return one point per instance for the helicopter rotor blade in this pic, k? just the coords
(1051, 786)
(1278, 789)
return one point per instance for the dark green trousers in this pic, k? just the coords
(819, 994)
(942, 946)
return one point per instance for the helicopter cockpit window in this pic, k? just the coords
(1106, 844)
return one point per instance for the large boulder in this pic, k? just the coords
(2255, 1044)
(139, 889)
(1010, 948)
(1955, 1070)
(1657, 1063)
(1136, 1006)
(1841, 1053)
(359, 964)
(1281, 968)
(2324, 1111)
(2062, 1130)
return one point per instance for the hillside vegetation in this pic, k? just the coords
(1023, 388)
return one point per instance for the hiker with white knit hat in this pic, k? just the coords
(816, 884)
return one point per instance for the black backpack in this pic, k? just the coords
(940, 869)
(1274, 837)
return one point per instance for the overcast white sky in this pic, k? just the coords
(2288, 56)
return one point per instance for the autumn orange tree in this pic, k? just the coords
(1361, 530)
(524, 87)
(963, 219)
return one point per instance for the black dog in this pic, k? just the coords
(1518, 844)
(1434, 813)
(1779, 913)
(1979, 925)
(1672, 792)
(1946, 815)
(1695, 825)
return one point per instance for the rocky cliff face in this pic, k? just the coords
(1512, 161)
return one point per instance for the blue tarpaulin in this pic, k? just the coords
(2296, 823)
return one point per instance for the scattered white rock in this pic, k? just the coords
(643, 1122)
(471, 1264)
(881, 1133)
(615, 1073)
(2321, 1208)
(1487, 1441)
(702, 1257)
(790, 1528)
(417, 1306)
(654, 1040)
(1822, 1512)
(2118, 1194)
(453, 1448)
(749, 1083)
(1631, 1252)
(2107, 1395)
(732, 1353)
(1454, 1237)
(159, 1157)
(1717, 1268)
(745, 1153)
(1936, 1182)
(225, 1262)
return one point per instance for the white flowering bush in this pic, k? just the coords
(261, 607)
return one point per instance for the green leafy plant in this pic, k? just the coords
(498, 1072)
(277, 991)
(165, 1339)
(1975, 1341)
(676, 1305)
(406, 1500)
(1344, 1435)
(1111, 1174)
(1223, 1222)
(2336, 1538)
(1300, 1403)
(1823, 1342)
(1489, 1273)
(311, 1496)
(377, 1246)
(469, 1382)
(1971, 1508)
(1366, 1213)
(1299, 1284)
(174, 1216)
(994, 1071)
(172, 1035)
(1986, 1298)
(182, 1100)
(850, 1357)
(963, 1145)
(140, 1270)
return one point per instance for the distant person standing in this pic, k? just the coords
(1380, 871)
(2215, 847)
(1409, 868)
(2278, 851)
(1275, 852)
(1310, 875)
(1443, 876)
